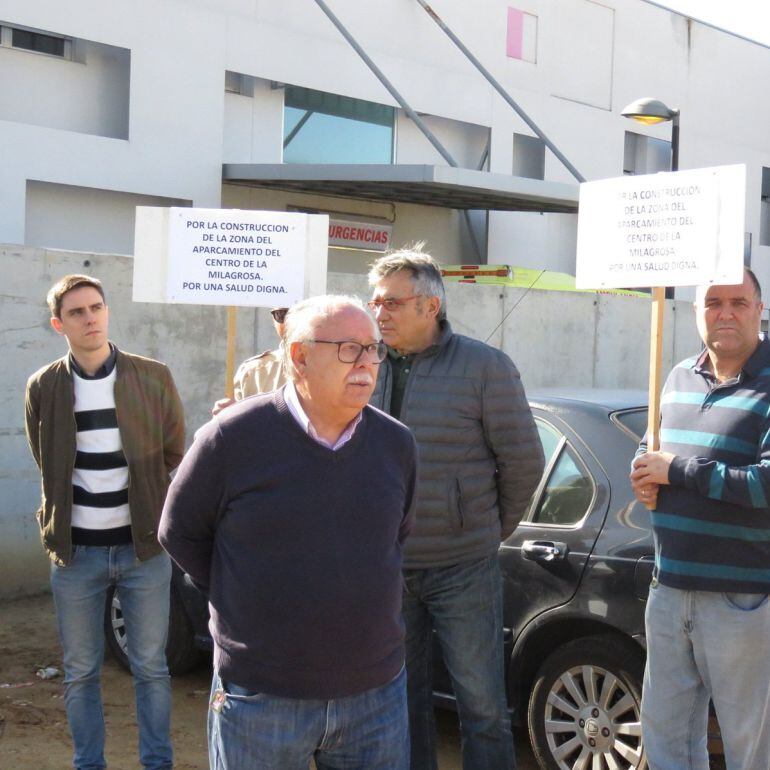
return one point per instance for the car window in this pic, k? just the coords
(634, 421)
(550, 438)
(567, 495)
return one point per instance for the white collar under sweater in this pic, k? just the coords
(298, 413)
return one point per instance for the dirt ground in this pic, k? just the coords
(33, 724)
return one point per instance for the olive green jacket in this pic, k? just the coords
(151, 425)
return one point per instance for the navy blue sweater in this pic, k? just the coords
(298, 547)
(712, 522)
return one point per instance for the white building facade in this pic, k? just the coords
(106, 107)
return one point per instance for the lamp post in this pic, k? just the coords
(649, 112)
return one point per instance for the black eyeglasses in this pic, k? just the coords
(351, 352)
(279, 314)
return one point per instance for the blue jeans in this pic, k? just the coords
(702, 645)
(80, 592)
(463, 605)
(256, 731)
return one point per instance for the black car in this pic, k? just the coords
(576, 573)
(575, 576)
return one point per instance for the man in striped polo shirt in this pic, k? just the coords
(105, 428)
(708, 616)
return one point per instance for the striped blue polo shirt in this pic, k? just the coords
(712, 523)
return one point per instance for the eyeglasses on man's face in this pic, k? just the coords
(351, 352)
(390, 303)
(279, 314)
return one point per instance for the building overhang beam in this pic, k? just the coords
(427, 185)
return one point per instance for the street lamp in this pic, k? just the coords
(651, 111)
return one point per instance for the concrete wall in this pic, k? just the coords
(570, 339)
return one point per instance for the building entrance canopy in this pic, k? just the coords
(444, 186)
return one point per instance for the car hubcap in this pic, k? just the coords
(118, 624)
(592, 721)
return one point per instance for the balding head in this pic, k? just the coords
(748, 273)
(728, 319)
(304, 319)
(332, 352)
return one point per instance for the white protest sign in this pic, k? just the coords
(674, 229)
(229, 256)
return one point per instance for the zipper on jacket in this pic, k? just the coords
(459, 499)
(128, 465)
(431, 350)
(70, 494)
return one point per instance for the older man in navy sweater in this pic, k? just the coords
(708, 616)
(290, 511)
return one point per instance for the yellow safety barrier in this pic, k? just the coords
(523, 277)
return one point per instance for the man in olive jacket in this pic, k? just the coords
(105, 429)
(480, 459)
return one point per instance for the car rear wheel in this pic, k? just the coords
(181, 653)
(585, 707)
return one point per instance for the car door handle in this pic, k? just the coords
(543, 550)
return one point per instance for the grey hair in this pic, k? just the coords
(305, 317)
(424, 270)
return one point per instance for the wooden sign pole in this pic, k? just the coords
(230, 365)
(656, 363)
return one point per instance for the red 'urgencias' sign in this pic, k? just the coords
(359, 235)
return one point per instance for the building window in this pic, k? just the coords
(528, 156)
(521, 36)
(645, 154)
(327, 128)
(237, 83)
(764, 225)
(39, 42)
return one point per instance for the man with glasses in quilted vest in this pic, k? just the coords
(480, 460)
